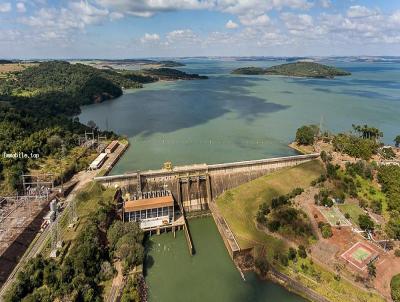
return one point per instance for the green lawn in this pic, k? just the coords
(239, 206)
(354, 211)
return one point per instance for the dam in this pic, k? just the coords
(198, 184)
(194, 188)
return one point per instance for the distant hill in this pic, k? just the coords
(171, 64)
(296, 69)
(172, 74)
(82, 82)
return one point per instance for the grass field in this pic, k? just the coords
(354, 211)
(334, 216)
(239, 207)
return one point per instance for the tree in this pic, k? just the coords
(305, 135)
(371, 270)
(395, 288)
(262, 265)
(365, 222)
(292, 253)
(91, 124)
(367, 132)
(326, 231)
(397, 141)
(302, 251)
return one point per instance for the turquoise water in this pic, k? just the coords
(229, 118)
(175, 276)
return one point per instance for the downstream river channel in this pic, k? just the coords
(231, 118)
(209, 275)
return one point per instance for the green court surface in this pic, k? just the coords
(360, 254)
(334, 216)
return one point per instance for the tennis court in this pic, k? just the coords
(334, 216)
(360, 254)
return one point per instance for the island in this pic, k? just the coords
(172, 74)
(296, 69)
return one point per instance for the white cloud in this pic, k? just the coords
(358, 11)
(5, 7)
(150, 38)
(21, 8)
(325, 3)
(89, 14)
(299, 22)
(242, 7)
(182, 35)
(116, 16)
(395, 18)
(231, 25)
(251, 20)
(147, 8)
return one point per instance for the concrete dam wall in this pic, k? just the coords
(198, 184)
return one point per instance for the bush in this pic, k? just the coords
(365, 222)
(302, 252)
(326, 231)
(397, 252)
(395, 288)
(284, 259)
(292, 253)
(376, 206)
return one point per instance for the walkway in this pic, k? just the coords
(224, 230)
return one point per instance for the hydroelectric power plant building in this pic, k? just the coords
(152, 210)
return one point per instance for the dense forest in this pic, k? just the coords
(80, 82)
(37, 106)
(296, 69)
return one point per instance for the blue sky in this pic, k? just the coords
(171, 28)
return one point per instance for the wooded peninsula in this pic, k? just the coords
(297, 69)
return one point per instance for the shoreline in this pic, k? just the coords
(304, 150)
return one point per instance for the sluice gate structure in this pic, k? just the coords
(195, 187)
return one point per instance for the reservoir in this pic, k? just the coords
(231, 118)
(209, 275)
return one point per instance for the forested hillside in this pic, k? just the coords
(37, 106)
(81, 82)
(296, 69)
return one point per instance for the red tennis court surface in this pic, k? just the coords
(360, 254)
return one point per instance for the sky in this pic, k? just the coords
(177, 28)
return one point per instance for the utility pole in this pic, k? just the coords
(63, 154)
